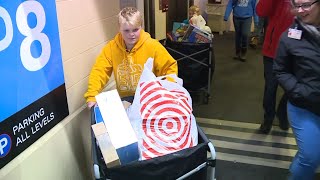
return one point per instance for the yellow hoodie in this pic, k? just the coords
(128, 66)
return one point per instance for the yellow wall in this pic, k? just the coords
(64, 152)
(160, 19)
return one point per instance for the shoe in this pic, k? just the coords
(243, 59)
(284, 124)
(265, 128)
(237, 56)
(254, 42)
(243, 54)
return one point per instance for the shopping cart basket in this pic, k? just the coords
(190, 163)
(196, 64)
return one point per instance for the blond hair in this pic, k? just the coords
(130, 15)
(194, 10)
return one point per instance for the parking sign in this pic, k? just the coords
(33, 94)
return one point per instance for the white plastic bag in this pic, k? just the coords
(161, 115)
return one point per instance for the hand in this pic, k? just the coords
(225, 19)
(90, 104)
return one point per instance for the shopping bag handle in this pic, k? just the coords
(173, 76)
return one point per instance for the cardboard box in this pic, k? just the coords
(118, 125)
(197, 35)
(109, 153)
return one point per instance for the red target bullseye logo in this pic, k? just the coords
(166, 120)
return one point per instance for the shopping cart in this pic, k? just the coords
(190, 163)
(196, 62)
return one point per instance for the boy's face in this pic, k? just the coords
(130, 34)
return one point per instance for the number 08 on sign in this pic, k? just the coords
(31, 34)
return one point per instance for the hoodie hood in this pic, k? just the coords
(143, 37)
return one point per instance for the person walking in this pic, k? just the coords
(297, 68)
(278, 13)
(243, 11)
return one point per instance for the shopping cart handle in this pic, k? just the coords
(93, 120)
(201, 133)
(94, 148)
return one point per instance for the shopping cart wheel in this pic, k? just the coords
(96, 171)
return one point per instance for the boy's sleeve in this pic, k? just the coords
(99, 75)
(164, 62)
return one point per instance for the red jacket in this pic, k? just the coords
(278, 13)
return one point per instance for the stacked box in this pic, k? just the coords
(197, 35)
(120, 131)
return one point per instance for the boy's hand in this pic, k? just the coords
(90, 104)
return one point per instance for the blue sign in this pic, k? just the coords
(33, 94)
(30, 56)
(5, 145)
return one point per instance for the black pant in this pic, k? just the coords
(270, 94)
(128, 99)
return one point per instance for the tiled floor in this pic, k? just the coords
(227, 170)
(242, 153)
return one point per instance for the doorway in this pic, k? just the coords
(178, 11)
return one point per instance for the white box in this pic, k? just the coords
(118, 126)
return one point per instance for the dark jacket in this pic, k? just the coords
(297, 68)
(278, 13)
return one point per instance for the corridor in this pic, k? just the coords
(233, 115)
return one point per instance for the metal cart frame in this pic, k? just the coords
(196, 58)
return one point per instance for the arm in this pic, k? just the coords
(283, 69)
(99, 75)
(255, 16)
(164, 63)
(265, 8)
(228, 10)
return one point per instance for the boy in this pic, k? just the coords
(125, 56)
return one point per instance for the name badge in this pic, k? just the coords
(294, 33)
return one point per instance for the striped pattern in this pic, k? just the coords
(240, 142)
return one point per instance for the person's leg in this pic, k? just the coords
(261, 29)
(245, 32)
(269, 96)
(257, 35)
(282, 113)
(306, 128)
(257, 29)
(236, 23)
